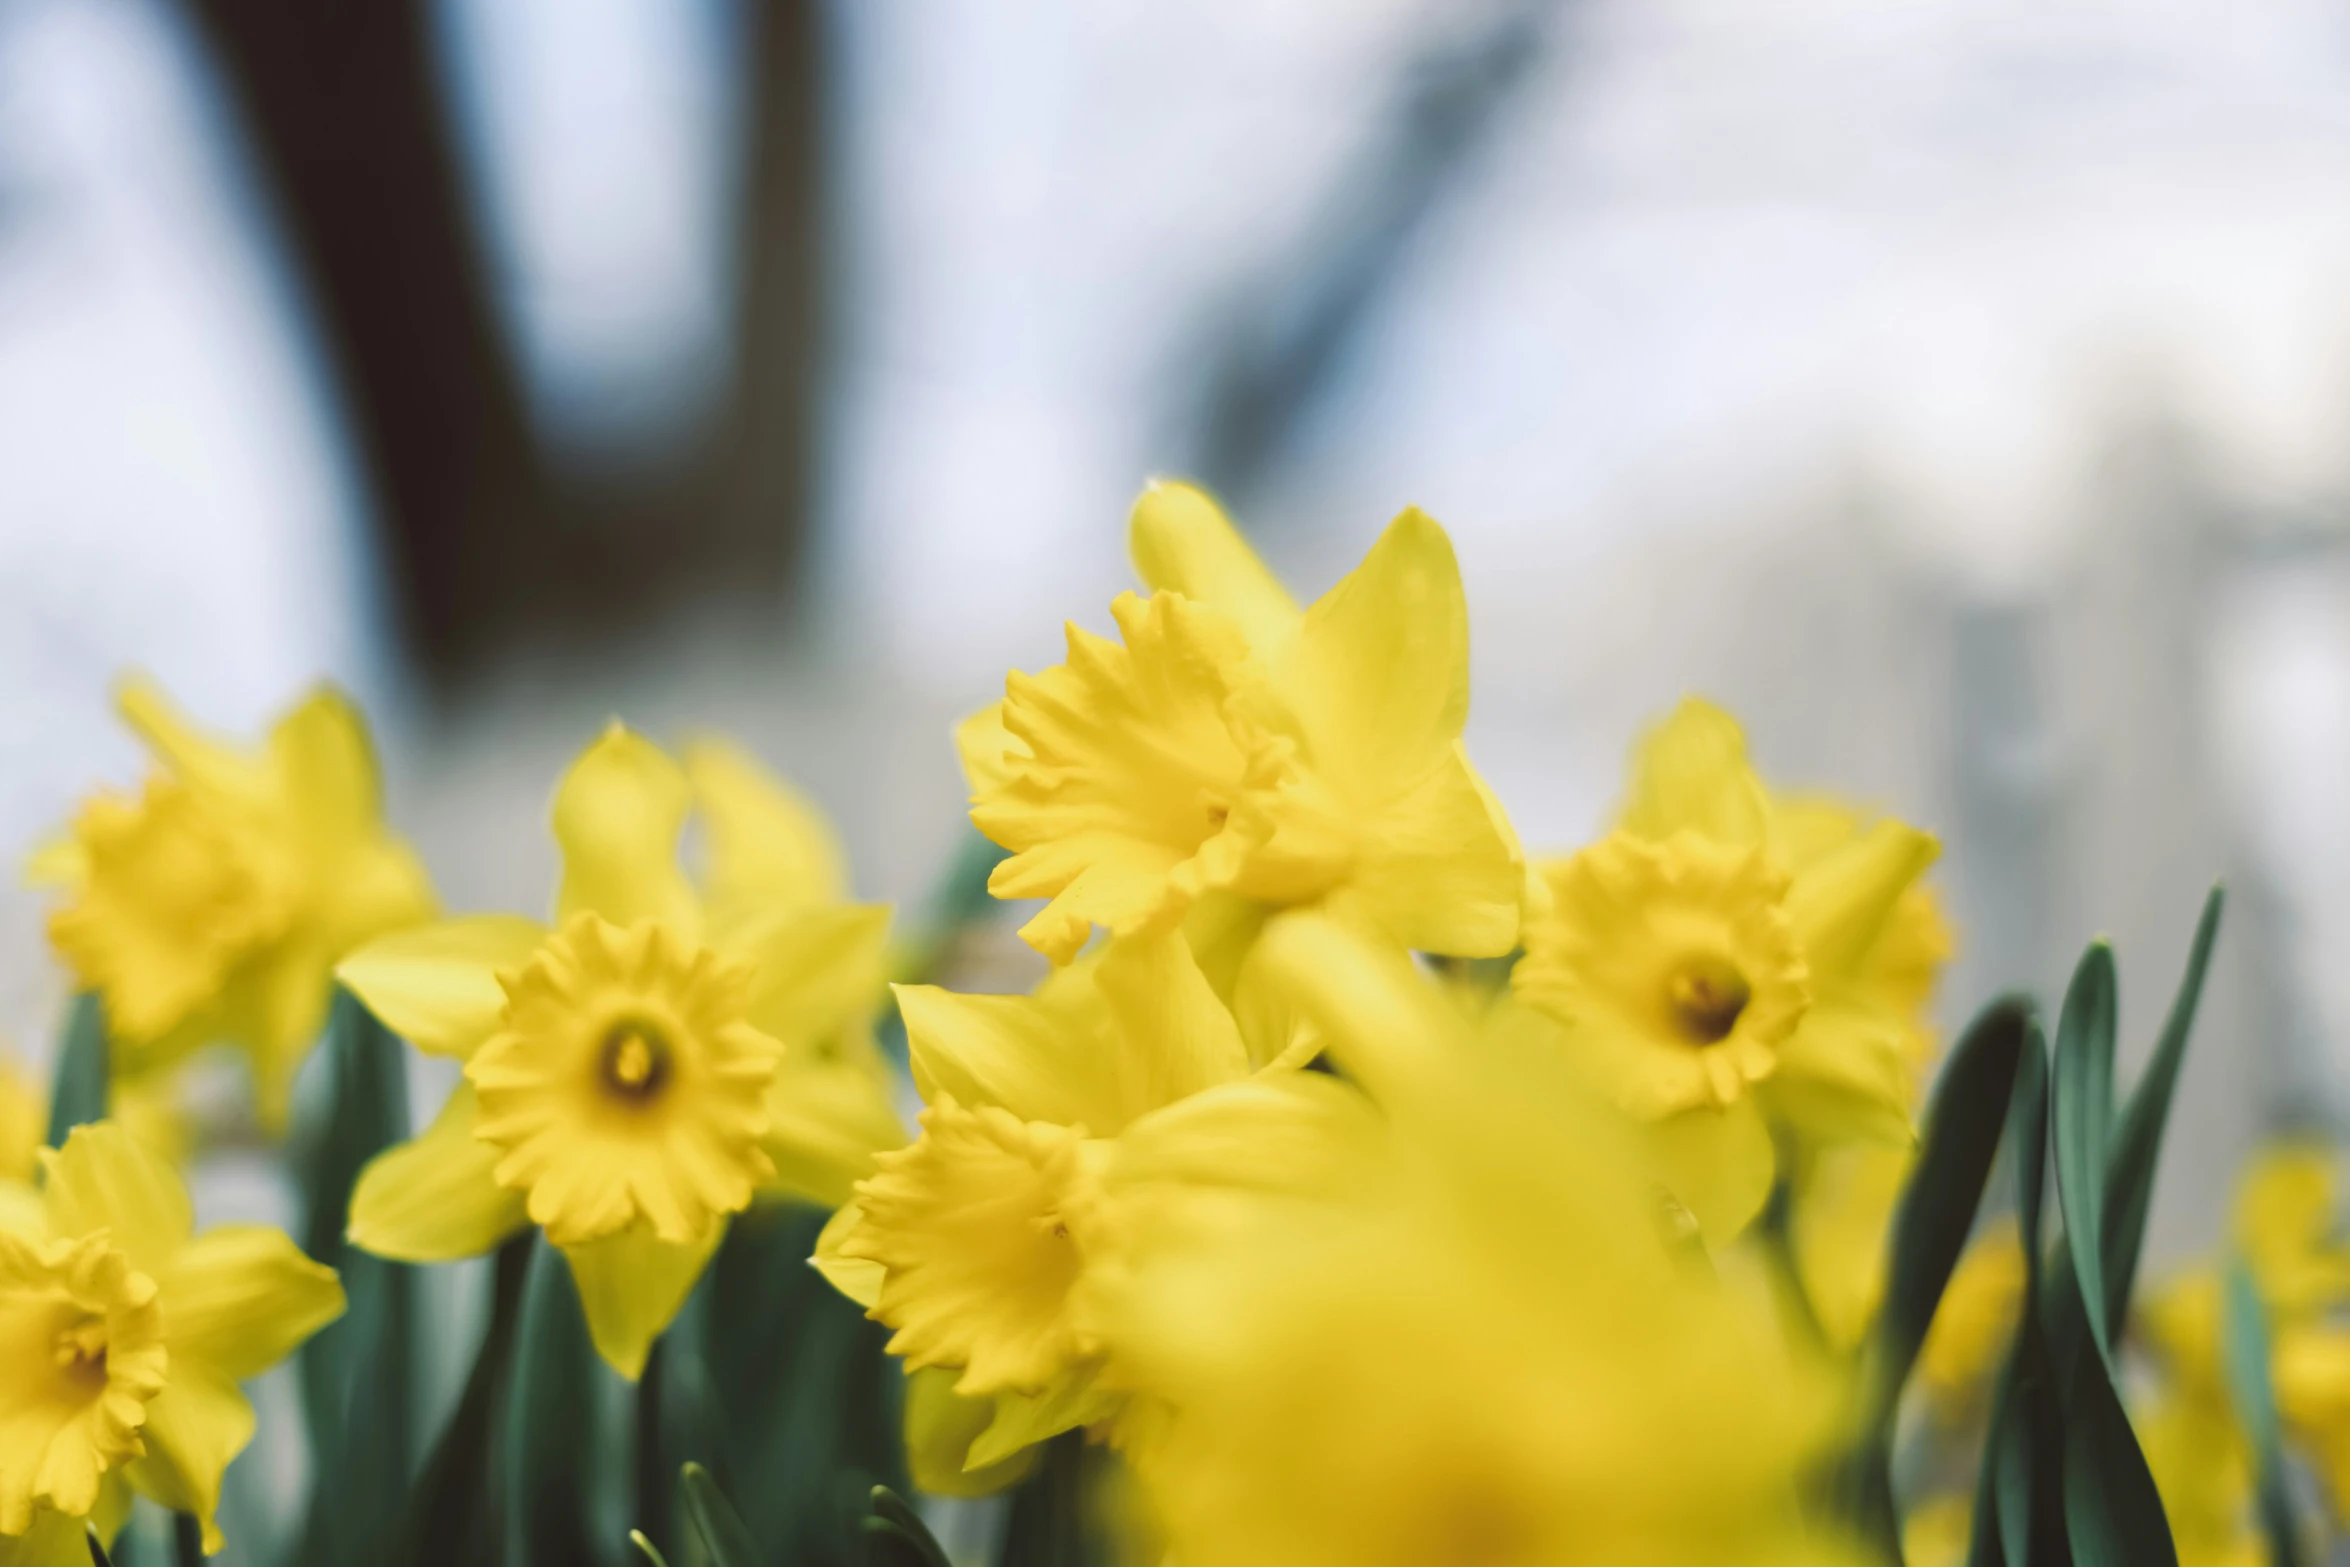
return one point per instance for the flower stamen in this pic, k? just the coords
(1706, 996)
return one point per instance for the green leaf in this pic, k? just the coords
(2113, 1514)
(2081, 1117)
(784, 1389)
(2256, 1405)
(724, 1540)
(1052, 1521)
(550, 1423)
(97, 1551)
(898, 1536)
(2129, 1173)
(356, 1375)
(1936, 1213)
(78, 1093)
(456, 1510)
(651, 1553)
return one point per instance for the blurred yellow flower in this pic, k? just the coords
(635, 1073)
(123, 1337)
(214, 905)
(1973, 1327)
(971, 1243)
(1734, 968)
(1232, 741)
(1408, 1362)
(24, 1120)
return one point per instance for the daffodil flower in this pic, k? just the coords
(123, 1336)
(1230, 741)
(971, 1243)
(1406, 1359)
(213, 906)
(637, 1071)
(23, 1118)
(1734, 968)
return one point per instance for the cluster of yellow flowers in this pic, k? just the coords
(1379, 1193)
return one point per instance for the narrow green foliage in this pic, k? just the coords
(550, 1423)
(646, 1548)
(2081, 1120)
(897, 1536)
(2129, 1174)
(456, 1508)
(356, 1375)
(1053, 1522)
(2256, 1405)
(78, 1095)
(716, 1525)
(98, 1556)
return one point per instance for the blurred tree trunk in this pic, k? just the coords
(488, 544)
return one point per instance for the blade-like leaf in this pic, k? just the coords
(898, 1535)
(2256, 1406)
(455, 1510)
(1052, 1523)
(550, 1423)
(1937, 1208)
(646, 1548)
(356, 1374)
(2129, 1171)
(2081, 1118)
(77, 1095)
(724, 1540)
(97, 1551)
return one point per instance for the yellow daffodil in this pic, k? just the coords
(1408, 1363)
(1844, 1203)
(635, 1072)
(1974, 1325)
(1230, 741)
(1733, 968)
(123, 1336)
(213, 906)
(971, 1243)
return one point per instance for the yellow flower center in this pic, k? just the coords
(625, 1086)
(975, 1225)
(81, 1354)
(1674, 964)
(1706, 995)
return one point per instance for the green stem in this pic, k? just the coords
(655, 1477)
(187, 1540)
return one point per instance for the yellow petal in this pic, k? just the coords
(55, 1540)
(618, 814)
(859, 1278)
(769, 843)
(828, 1113)
(1844, 1076)
(103, 1180)
(436, 986)
(1691, 775)
(243, 1297)
(1183, 543)
(818, 969)
(195, 757)
(1174, 1038)
(941, 1425)
(1719, 1163)
(631, 1286)
(326, 767)
(20, 1208)
(985, 748)
(1022, 1420)
(1442, 871)
(1378, 674)
(1012, 1052)
(1842, 901)
(195, 1426)
(435, 1198)
(58, 862)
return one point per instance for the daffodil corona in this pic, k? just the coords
(638, 1072)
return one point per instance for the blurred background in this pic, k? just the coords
(1958, 390)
